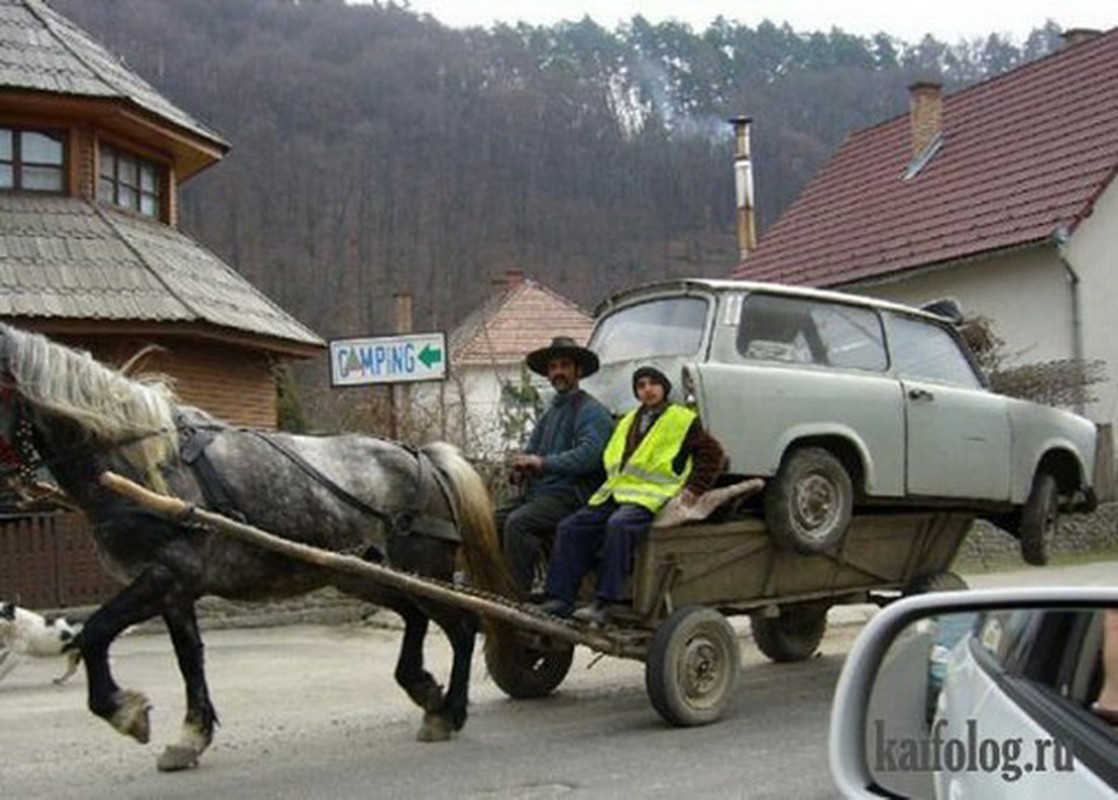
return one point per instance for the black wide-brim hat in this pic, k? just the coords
(563, 347)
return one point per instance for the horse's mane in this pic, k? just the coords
(134, 412)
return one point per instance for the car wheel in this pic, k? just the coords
(525, 672)
(1039, 519)
(945, 581)
(692, 666)
(809, 503)
(793, 636)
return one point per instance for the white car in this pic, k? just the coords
(839, 400)
(1012, 717)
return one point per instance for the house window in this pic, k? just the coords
(32, 161)
(130, 182)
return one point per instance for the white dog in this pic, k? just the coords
(25, 633)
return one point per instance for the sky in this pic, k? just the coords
(947, 20)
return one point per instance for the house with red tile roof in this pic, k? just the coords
(488, 402)
(1001, 196)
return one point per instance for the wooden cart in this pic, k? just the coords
(687, 580)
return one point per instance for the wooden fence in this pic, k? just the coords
(48, 561)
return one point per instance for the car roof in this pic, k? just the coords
(717, 285)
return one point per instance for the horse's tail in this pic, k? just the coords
(480, 542)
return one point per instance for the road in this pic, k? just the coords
(312, 712)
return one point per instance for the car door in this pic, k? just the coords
(785, 369)
(957, 432)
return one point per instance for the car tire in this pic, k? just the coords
(692, 666)
(1039, 519)
(793, 636)
(525, 672)
(809, 503)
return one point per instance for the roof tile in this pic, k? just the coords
(67, 257)
(520, 318)
(1024, 154)
(42, 50)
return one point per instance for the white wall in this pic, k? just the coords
(1025, 294)
(1029, 296)
(1093, 253)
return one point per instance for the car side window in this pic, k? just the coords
(924, 351)
(801, 331)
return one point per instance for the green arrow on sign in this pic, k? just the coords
(430, 355)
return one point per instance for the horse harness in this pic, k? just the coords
(194, 440)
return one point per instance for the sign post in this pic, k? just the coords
(405, 358)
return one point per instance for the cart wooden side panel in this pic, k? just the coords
(736, 564)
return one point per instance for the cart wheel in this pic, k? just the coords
(692, 666)
(1039, 519)
(944, 581)
(793, 636)
(526, 672)
(809, 503)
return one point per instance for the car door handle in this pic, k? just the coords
(920, 394)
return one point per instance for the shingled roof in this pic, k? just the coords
(42, 51)
(1023, 156)
(521, 317)
(67, 258)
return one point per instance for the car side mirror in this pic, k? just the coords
(992, 693)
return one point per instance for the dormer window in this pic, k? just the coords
(32, 160)
(131, 182)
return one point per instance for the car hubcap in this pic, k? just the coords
(816, 502)
(703, 671)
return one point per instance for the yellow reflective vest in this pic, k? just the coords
(647, 478)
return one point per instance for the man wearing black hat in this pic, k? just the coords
(658, 450)
(562, 464)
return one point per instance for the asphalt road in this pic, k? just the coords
(312, 712)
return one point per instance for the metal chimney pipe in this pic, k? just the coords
(743, 187)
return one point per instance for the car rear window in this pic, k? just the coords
(802, 331)
(668, 327)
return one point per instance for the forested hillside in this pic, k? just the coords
(376, 151)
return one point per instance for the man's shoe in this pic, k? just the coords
(556, 607)
(597, 613)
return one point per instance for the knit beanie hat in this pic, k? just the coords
(656, 375)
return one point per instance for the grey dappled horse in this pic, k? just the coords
(348, 493)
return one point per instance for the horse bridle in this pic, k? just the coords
(20, 457)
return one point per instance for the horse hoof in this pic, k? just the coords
(434, 729)
(176, 757)
(131, 716)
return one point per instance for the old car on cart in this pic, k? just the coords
(845, 402)
(880, 443)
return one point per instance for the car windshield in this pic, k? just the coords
(668, 327)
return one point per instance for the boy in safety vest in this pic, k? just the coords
(658, 450)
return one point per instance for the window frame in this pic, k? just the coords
(18, 164)
(121, 153)
(812, 310)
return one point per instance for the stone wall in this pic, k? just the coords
(1078, 534)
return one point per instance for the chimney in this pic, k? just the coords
(925, 103)
(743, 187)
(1073, 36)
(510, 280)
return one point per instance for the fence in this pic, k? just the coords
(48, 560)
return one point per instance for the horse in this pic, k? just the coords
(415, 510)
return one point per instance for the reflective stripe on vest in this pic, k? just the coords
(647, 479)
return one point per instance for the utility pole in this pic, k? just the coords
(400, 394)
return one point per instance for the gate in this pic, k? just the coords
(48, 561)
